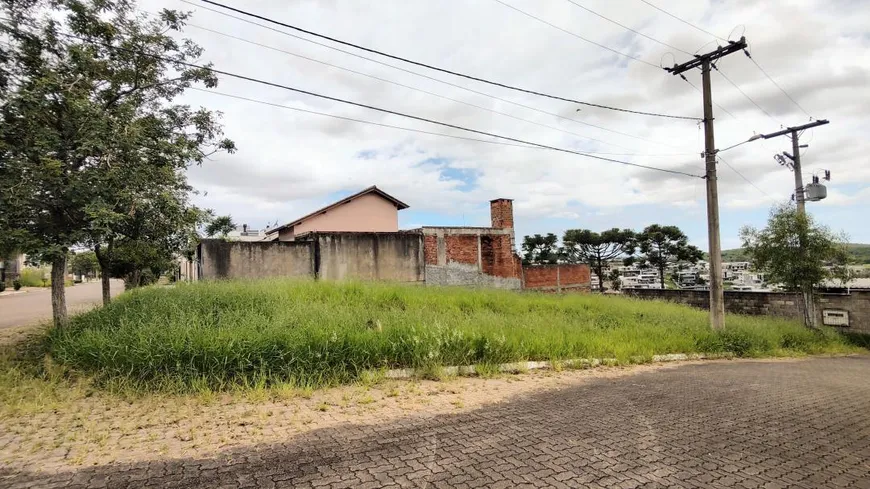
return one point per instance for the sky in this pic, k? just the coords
(291, 162)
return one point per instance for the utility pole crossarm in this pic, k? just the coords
(732, 47)
(788, 130)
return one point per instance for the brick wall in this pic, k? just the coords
(557, 278)
(461, 249)
(498, 257)
(787, 305)
(539, 276)
(430, 249)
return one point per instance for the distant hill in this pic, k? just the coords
(860, 254)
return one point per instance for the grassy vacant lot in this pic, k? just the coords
(219, 335)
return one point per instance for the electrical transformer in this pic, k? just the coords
(815, 192)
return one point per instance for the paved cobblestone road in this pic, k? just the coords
(743, 424)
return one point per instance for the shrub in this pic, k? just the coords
(2, 286)
(33, 277)
(16, 284)
(218, 335)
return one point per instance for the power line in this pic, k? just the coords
(746, 95)
(377, 109)
(749, 55)
(578, 36)
(681, 20)
(443, 70)
(361, 121)
(744, 178)
(266, 46)
(391, 126)
(629, 28)
(470, 90)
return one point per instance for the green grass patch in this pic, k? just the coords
(212, 336)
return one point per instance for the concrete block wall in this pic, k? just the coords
(254, 259)
(781, 304)
(856, 304)
(396, 257)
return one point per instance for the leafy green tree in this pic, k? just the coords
(539, 249)
(796, 252)
(661, 246)
(86, 122)
(597, 249)
(220, 226)
(84, 264)
(152, 235)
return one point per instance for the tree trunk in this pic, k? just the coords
(135, 278)
(104, 261)
(809, 307)
(58, 292)
(598, 269)
(662, 277)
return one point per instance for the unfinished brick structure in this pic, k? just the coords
(477, 256)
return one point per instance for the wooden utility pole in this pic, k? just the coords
(799, 195)
(705, 62)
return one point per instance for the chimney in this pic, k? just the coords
(502, 214)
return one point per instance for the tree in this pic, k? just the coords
(85, 123)
(796, 252)
(615, 284)
(153, 235)
(597, 249)
(539, 249)
(220, 226)
(84, 264)
(661, 246)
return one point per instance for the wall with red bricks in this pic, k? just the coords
(430, 249)
(539, 276)
(557, 278)
(498, 257)
(461, 249)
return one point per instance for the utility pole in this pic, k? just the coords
(798, 178)
(800, 197)
(795, 157)
(705, 62)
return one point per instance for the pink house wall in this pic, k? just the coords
(368, 213)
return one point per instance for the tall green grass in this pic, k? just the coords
(219, 335)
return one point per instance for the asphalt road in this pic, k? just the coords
(35, 305)
(801, 424)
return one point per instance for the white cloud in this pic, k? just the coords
(288, 161)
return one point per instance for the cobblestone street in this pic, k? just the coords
(799, 424)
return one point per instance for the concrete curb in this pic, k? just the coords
(6, 293)
(465, 370)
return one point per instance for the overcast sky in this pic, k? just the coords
(289, 162)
